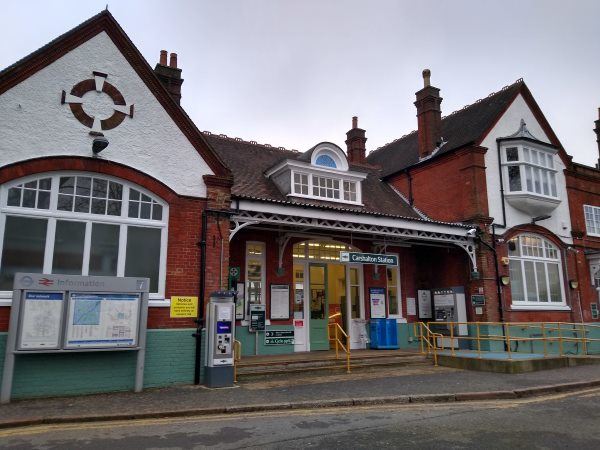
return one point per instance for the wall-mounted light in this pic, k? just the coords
(505, 280)
(573, 284)
(99, 144)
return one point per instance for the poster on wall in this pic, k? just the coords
(424, 304)
(239, 302)
(102, 320)
(411, 306)
(377, 299)
(280, 301)
(41, 320)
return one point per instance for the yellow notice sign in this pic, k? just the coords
(184, 306)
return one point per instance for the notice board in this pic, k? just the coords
(280, 301)
(102, 320)
(41, 320)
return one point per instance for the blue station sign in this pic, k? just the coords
(369, 258)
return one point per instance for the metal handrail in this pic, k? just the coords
(237, 356)
(431, 340)
(339, 332)
(545, 327)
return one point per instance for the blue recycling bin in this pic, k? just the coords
(383, 334)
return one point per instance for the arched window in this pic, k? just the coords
(326, 161)
(535, 271)
(82, 224)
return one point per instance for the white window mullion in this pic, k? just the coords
(122, 251)
(49, 249)
(87, 243)
(162, 269)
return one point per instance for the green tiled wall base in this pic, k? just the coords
(248, 341)
(169, 360)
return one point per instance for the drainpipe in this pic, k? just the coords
(200, 319)
(502, 202)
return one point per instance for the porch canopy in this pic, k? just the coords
(294, 220)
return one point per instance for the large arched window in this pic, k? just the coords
(82, 224)
(535, 272)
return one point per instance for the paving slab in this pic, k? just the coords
(302, 391)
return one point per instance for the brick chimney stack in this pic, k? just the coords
(169, 75)
(429, 116)
(597, 130)
(356, 143)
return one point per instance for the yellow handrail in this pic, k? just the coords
(237, 356)
(431, 341)
(579, 332)
(339, 333)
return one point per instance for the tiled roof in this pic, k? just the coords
(248, 162)
(463, 127)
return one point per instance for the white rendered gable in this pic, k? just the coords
(560, 221)
(34, 123)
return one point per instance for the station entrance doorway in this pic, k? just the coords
(326, 291)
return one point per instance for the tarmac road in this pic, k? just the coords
(568, 420)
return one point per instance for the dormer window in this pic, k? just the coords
(529, 172)
(322, 173)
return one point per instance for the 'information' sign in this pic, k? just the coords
(369, 258)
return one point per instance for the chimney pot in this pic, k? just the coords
(173, 61)
(163, 58)
(355, 122)
(426, 77)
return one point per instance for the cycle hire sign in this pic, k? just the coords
(369, 258)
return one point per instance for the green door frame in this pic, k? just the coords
(318, 327)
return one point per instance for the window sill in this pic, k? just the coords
(546, 307)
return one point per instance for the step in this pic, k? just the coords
(309, 358)
(330, 365)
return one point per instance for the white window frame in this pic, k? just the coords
(330, 175)
(53, 214)
(522, 164)
(263, 277)
(592, 211)
(539, 305)
(399, 287)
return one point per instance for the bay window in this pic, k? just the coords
(81, 224)
(535, 272)
(530, 170)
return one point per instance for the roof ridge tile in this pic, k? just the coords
(239, 139)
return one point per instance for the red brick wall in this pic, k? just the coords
(583, 188)
(184, 233)
(449, 188)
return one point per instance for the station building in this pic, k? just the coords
(484, 202)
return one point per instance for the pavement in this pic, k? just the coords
(373, 386)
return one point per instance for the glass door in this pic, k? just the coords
(318, 307)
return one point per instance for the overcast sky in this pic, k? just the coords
(292, 73)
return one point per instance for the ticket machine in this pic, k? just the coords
(220, 330)
(449, 306)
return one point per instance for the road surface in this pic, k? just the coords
(570, 420)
